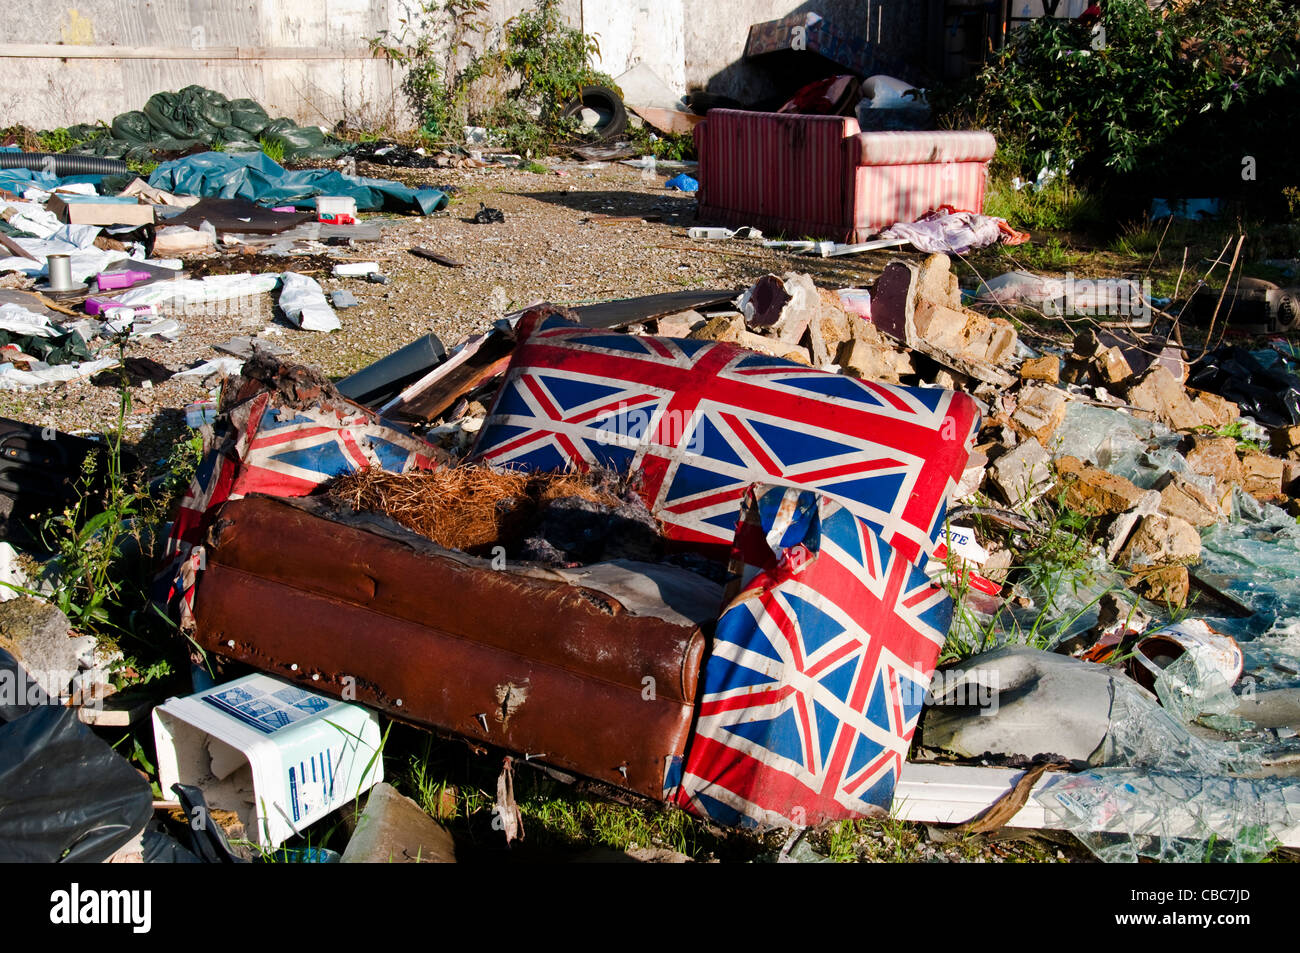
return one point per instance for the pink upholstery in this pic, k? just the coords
(906, 148)
(819, 177)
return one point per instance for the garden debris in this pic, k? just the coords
(394, 830)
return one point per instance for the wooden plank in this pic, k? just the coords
(68, 51)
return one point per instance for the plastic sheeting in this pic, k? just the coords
(1269, 394)
(303, 302)
(65, 795)
(1169, 795)
(177, 121)
(254, 177)
(1122, 815)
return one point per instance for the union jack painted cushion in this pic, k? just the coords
(818, 672)
(702, 420)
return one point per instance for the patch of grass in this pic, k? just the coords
(534, 167)
(1058, 206)
(1055, 568)
(142, 167)
(273, 149)
(1049, 255)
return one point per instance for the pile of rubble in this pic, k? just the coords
(318, 526)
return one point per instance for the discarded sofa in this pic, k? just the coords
(820, 177)
(604, 669)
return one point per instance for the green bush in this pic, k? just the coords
(540, 67)
(1177, 97)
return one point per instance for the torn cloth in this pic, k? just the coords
(951, 230)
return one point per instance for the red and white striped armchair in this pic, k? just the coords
(820, 177)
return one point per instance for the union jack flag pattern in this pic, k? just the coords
(270, 449)
(702, 420)
(819, 669)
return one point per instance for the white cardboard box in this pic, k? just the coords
(279, 756)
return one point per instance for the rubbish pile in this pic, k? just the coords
(92, 257)
(779, 555)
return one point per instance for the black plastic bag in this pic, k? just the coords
(65, 795)
(1270, 395)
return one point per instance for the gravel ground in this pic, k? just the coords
(551, 246)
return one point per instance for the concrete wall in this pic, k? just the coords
(309, 59)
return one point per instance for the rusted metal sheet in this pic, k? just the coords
(519, 658)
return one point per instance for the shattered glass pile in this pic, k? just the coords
(1190, 778)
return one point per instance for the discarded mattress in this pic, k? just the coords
(702, 420)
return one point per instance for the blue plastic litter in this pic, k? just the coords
(682, 183)
(252, 176)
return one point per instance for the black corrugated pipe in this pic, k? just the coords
(63, 164)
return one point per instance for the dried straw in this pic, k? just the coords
(466, 507)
